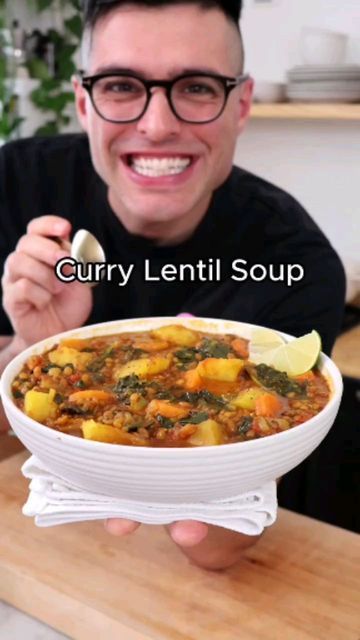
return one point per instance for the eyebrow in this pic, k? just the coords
(139, 72)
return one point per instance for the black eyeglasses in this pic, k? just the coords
(193, 98)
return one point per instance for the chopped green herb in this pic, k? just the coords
(80, 384)
(244, 425)
(76, 411)
(211, 398)
(49, 366)
(214, 349)
(165, 395)
(278, 381)
(128, 385)
(196, 418)
(165, 422)
(98, 363)
(186, 355)
(58, 398)
(132, 353)
(17, 394)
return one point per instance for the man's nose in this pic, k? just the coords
(159, 122)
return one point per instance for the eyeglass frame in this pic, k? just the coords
(229, 83)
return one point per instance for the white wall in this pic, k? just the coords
(272, 31)
(318, 162)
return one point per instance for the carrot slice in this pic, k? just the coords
(192, 380)
(168, 410)
(97, 395)
(268, 405)
(75, 343)
(241, 347)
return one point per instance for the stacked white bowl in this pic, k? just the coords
(324, 76)
(324, 83)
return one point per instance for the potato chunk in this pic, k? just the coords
(176, 334)
(207, 433)
(67, 355)
(220, 368)
(106, 433)
(40, 406)
(144, 367)
(246, 399)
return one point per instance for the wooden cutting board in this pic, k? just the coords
(299, 583)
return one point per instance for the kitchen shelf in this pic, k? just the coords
(308, 111)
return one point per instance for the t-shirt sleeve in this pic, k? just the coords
(7, 237)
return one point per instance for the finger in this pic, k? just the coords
(49, 226)
(20, 265)
(24, 294)
(120, 526)
(188, 533)
(41, 249)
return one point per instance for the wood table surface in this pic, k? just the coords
(300, 582)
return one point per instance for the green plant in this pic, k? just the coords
(9, 120)
(52, 94)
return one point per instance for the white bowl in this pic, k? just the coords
(168, 474)
(269, 92)
(319, 46)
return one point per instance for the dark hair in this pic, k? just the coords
(95, 9)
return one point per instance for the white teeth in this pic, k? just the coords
(156, 167)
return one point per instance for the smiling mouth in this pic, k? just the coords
(158, 167)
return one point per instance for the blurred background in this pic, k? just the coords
(304, 136)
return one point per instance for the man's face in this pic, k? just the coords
(163, 43)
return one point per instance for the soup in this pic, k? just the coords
(168, 387)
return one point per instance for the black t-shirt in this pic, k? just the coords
(249, 222)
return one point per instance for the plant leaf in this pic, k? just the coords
(74, 25)
(42, 5)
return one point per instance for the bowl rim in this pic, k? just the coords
(332, 374)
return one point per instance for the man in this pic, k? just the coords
(162, 100)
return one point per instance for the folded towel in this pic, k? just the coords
(53, 501)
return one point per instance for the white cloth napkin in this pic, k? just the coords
(53, 501)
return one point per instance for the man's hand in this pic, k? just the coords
(37, 303)
(207, 546)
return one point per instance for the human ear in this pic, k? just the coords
(81, 102)
(245, 102)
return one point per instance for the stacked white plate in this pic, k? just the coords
(324, 83)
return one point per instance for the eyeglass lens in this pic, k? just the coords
(123, 98)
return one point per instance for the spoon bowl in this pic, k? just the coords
(86, 248)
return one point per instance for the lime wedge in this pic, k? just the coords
(263, 340)
(295, 357)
